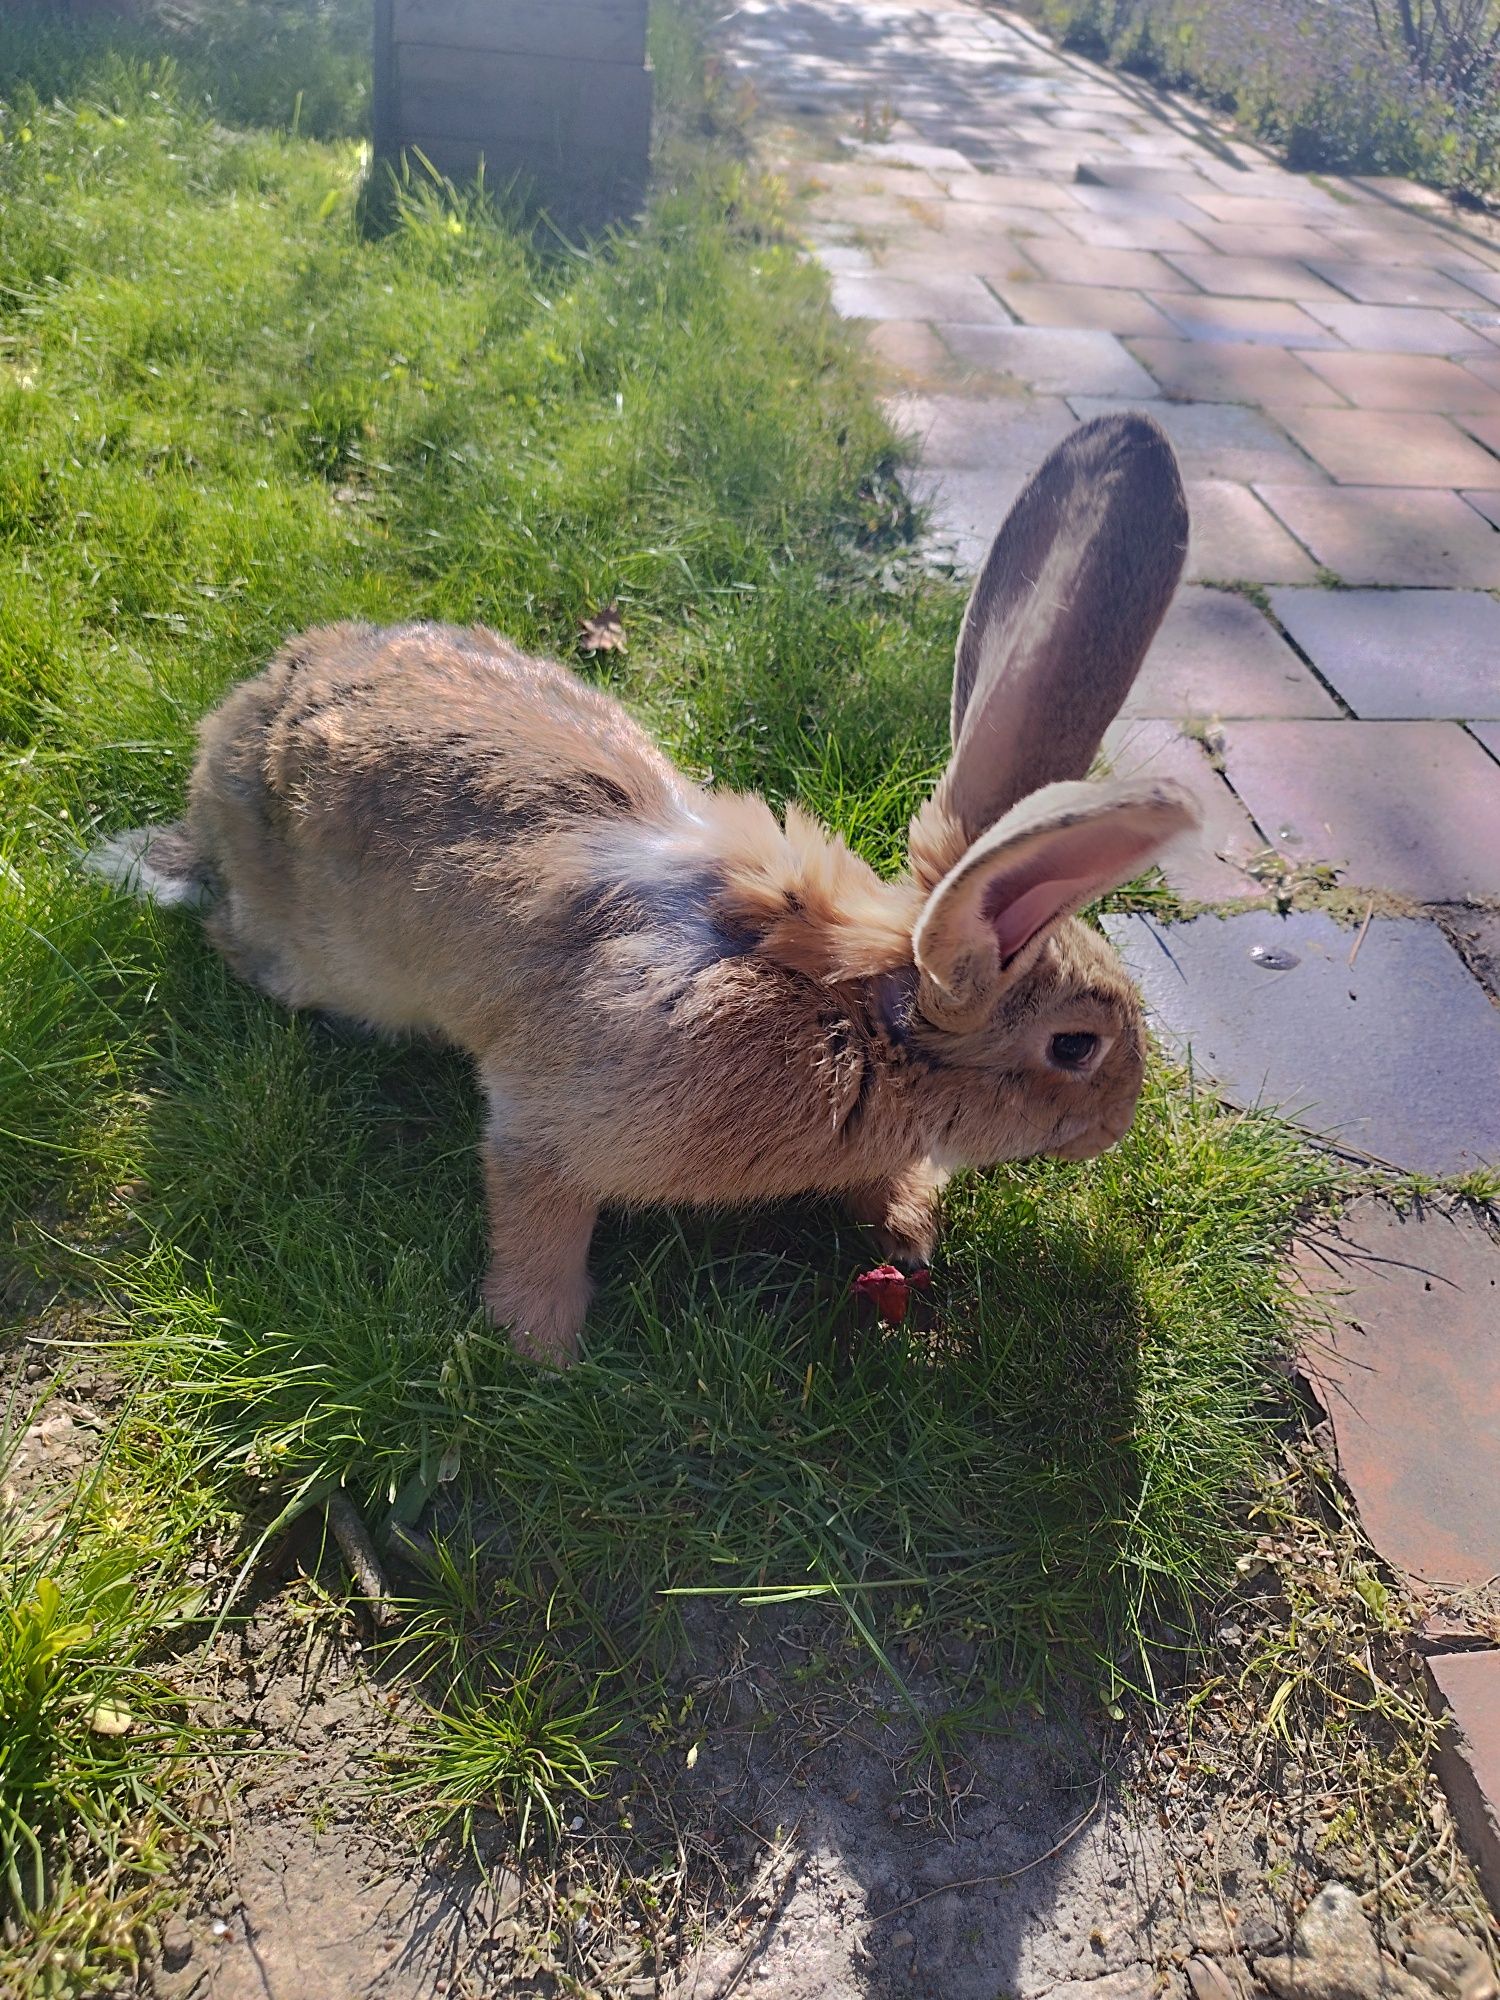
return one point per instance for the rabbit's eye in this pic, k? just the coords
(1072, 1051)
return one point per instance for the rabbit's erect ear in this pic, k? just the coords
(1067, 603)
(1057, 851)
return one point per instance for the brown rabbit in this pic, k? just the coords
(670, 997)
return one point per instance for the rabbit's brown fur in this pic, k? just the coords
(669, 996)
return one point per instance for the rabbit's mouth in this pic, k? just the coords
(1094, 1138)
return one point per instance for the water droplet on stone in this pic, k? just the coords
(1274, 957)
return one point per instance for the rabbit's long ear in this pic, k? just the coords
(1057, 851)
(1068, 601)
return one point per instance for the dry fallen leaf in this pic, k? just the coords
(604, 632)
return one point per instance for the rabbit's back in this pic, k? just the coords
(369, 802)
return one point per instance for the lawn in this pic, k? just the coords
(226, 413)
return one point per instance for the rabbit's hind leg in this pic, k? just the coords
(253, 956)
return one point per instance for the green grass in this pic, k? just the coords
(94, 1737)
(225, 414)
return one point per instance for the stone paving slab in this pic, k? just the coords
(1254, 322)
(959, 297)
(1238, 239)
(1389, 535)
(1051, 360)
(1123, 230)
(1398, 238)
(1488, 734)
(1233, 372)
(982, 433)
(1389, 447)
(909, 353)
(1251, 277)
(1408, 1369)
(1069, 262)
(1412, 807)
(1232, 538)
(1396, 1057)
(992, 252)
(1468, 1690)
(1134, 205)
(1486, 284)
(1392, 284)
(964, 507)
(1406, 382)
(1219, 440)
(1182, 179)
(1217, 656)
(1399, 329)
(1108, 308)
(1401, 654)
(1486, 428)
(1211, 867)
(1022, 190)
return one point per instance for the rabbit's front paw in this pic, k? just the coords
(543, 1329)
(903, 1212)
(538, 1280)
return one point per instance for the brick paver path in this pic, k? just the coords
(1031, 240)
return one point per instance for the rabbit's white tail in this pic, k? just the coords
(157, 863)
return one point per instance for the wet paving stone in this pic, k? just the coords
(1396, 1057)
(1408, 806)
(1401, 653)
(1408, 1368)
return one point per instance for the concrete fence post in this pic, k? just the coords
(553, 96)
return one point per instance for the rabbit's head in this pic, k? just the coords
(1029, 1026)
